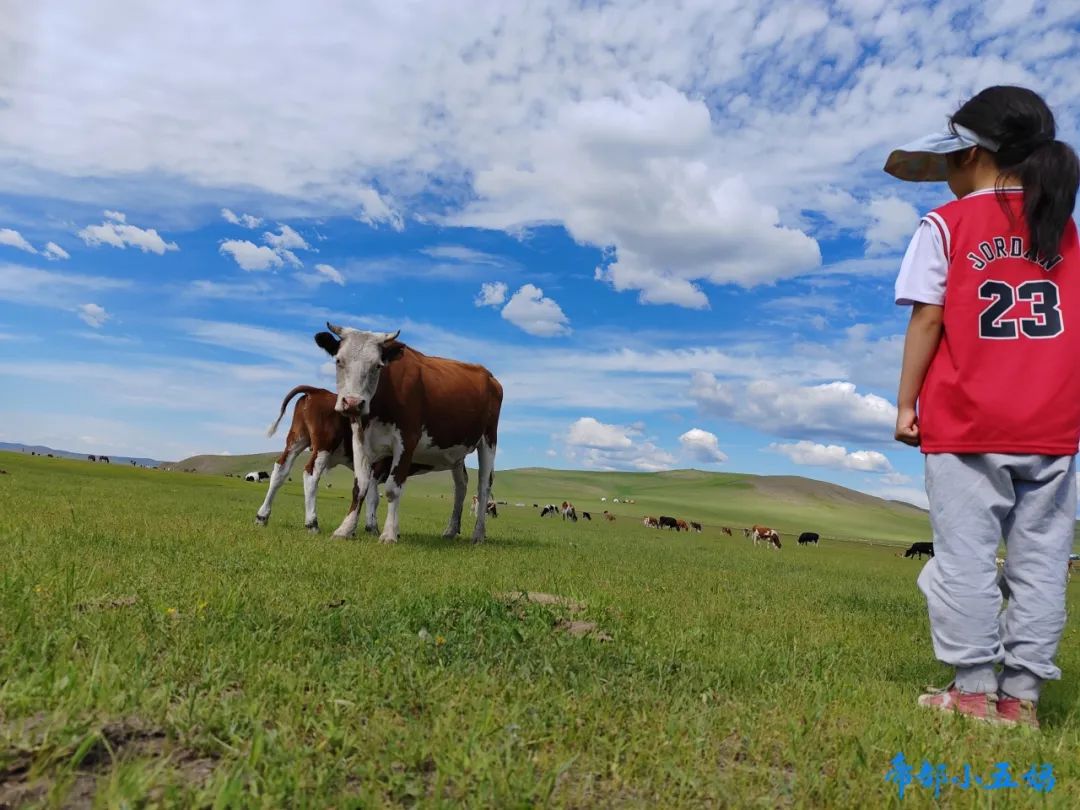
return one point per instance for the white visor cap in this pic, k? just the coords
(923, 161)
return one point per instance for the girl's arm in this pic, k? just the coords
(923, 336)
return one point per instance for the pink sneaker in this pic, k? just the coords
(979, 705)
(1017, 712)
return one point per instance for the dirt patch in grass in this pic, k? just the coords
(577, 627)
(127, 739)
(107, 603)
(537, 598)
(580, 629)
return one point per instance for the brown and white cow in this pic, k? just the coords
(726, 530)
(569, 512)
(608, 516)
(317, 425)
(492, 508)
(763, 534)
(682, 525)
(421, 413)
(650, 522)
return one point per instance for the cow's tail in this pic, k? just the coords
(300, 389)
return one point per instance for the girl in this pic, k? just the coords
(991, 359)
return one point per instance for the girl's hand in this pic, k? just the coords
(907, 427)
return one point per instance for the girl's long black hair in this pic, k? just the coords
(1021, 122)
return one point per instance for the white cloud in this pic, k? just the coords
(294, 349)
(285, 239)
(328, 273)
(53, 252)
(376, 209)
(251, 256)
(116, 232)
(633, 172)
(224, 291)
(531, 312)
(246, 220)
(93, 315)
(290, 257)
(832, 410)
(896, 479)
(12, 238)
(492, 294)
(631, 125)
(893, 221)
(33, 287)
(588, 432)
(600, 446)
(460, 253)
(834, 456)
(703, 446)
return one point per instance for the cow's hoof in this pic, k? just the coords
(387, 539)
(312, 527)
(340, 536)
(261, 521)
(450, 534)
(477, 538)
(371, 529)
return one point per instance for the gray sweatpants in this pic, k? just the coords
(975, 501)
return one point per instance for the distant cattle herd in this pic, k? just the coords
(399, 413)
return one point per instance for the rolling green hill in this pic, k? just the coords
(790, 504)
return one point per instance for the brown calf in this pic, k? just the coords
(317, 425)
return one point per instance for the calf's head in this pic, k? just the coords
(360, 358)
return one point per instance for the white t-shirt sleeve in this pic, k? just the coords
(924, 268)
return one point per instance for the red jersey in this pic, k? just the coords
(1006, 375)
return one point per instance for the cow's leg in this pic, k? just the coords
(348, 526)
(362, 481)
(312, 473)
(371, 500)
(279, 476)
(461, 486)
(485, 455)
(399, 471)
(361, 463)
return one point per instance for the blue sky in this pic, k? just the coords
(665, 229)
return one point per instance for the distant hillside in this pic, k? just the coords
(236, 465)
(791, 504)
(42, 450)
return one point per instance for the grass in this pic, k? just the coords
(156, 648)
(788, 503)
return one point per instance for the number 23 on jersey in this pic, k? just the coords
(1045, 320)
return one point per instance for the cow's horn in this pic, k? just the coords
(388, 338)
(337, 330)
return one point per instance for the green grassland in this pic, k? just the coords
(787, 503)
(157, 649)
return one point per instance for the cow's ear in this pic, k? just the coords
(392, 350)
(328, 343)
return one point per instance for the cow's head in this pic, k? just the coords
(360, 357)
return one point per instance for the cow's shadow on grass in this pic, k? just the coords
(433, 541)
(436, 542)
